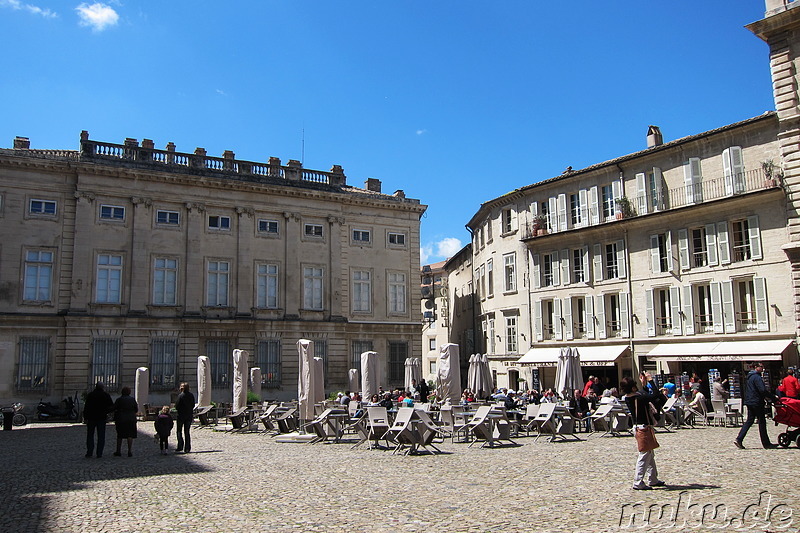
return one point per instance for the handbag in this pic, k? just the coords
(646, 436)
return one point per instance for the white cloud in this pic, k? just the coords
(439, 250)
(448, 247)
(422, 132)
(36, 10)
(97, 16)
(221, 92)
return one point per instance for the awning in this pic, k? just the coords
(767, 350)
(589, 355)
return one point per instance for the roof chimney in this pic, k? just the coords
(654, 137)
(22, 143)
(373, 184)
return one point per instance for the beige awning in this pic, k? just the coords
(766, 350)
(589, 355)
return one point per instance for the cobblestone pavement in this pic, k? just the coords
(250, 482)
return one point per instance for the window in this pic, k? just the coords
(268, 359)
(219, 223)
(489, 230)
(397, 292)
(550, 268)
(577, 209)
(613, 314)
(580, 265)
(398, 351)
(267, 286)
(510, 272)
(219, 358)
(42, 207)
(490, 278)
(746, 239)
(508, 220)
(545, 319)
(490, 334)
(661, 252)
(432, 344)
(112, 212)
(217, 283)
(168, 218)
(165, 281)
(397, 239)
(163, 364)
(511, 334)
(607, 193)
(703, 317)
(580, 317)
(109, 279)
(611, 263)
(268, 226)
(359, 347)
(362, 291)
(313, 230)
(699, 247)
(733, 170)
(105, 362)
(361, 236)
(34, 362)
(663, 316)
(312, 288)
(745, 306)
(38, 276)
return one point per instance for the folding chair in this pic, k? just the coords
(601, 418)
(402, 431)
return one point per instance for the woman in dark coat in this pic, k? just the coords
(125, 409)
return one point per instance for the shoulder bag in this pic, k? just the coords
(645, 436)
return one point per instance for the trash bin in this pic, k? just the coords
(8, 419)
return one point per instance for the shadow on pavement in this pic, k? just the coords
(38, 461)
(691, 486)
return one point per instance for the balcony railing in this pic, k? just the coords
(149, 155)
(657, 201)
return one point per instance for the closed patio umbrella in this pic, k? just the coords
(240, 377)
(486, 375)
(255, 381)
(352, 380)
(203, 381)
(319, 380)
(413, 371)
(448, 374)
(369, 374)
(307, 376)
(142, 390)
(568, 372)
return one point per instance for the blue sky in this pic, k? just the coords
(455, 102)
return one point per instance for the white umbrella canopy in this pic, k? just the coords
(203, 381)
(413, 367)
(306, 386)
(369, 374)
(255, 381)
(568, 372)
(448, 374)
(352, 380)
(240, 377)
(486, 375)
(473, 376)
(142, 387)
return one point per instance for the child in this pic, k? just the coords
(163, 426)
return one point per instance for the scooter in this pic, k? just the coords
(19, 418)
(67, 408)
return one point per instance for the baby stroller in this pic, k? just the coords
(787, 411)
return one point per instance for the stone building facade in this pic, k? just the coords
(675, 258)
(119, 256)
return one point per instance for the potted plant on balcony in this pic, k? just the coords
(539, 225)
(624, 208)
(772, 173)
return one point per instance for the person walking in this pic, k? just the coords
(185, 408)
(755, 392)
(163, 426)
(646, 476)
(95, 411)
(125, 409)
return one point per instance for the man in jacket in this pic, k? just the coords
(754, 395)
(95, 412)
(185, 408)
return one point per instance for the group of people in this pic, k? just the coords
(98, 406)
